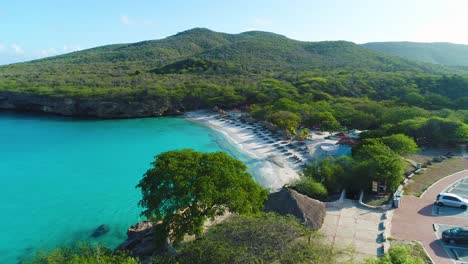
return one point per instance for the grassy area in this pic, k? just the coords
(374, 200)
(408, 168)
(415, 247)
(419, 183)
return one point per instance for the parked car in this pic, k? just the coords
(456, 235)
(451, 199)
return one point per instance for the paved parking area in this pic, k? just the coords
(414, 220)
(460, 188)
(458, 253)
(358, 228)
(449, 211)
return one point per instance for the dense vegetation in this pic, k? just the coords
(82, 253)
(261, 238)
(437, 53)
(375, 159)
(185, 188)
(209, 66)
(290, 83)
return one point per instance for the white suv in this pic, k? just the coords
(451, 199)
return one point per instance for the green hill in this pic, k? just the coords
(201, 68)
(250, 50)
(436, 53)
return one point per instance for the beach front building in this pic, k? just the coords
(331, 145)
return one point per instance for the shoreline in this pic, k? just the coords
(271, 167)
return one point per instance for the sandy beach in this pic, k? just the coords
(271, 167)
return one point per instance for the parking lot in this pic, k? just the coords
(459, 188)
(458, 252)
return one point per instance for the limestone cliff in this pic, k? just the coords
(100, 108)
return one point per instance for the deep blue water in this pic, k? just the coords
(60, 178)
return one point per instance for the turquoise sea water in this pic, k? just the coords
(60, 178)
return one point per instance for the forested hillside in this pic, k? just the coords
(436, 53)
(199, 68)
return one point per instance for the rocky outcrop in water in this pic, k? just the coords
(100, 231)
(100, 108)
(140, 241)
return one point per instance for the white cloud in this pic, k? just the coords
(48, 52)
(250, 29)
(124, 19)
(262, 22)
(70, 48)
(2, 47)
(17, 49)
(56, 51)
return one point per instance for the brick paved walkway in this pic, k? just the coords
(353, 226)
(413, 219)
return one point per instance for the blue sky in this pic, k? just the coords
(33, 29)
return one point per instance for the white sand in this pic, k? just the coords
(270, 168)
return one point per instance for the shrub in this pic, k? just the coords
(259, 238)
(81, 253)
(311, 188)
(397, 255)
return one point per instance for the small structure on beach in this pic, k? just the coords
(347, 141)
(322, 148)
(345, 145)
(287, 201)
(234, 112)
(341, 135)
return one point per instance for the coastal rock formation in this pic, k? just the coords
(101, 108)
(100, 230)
(140, 242)
(141, 238)
(307, 210)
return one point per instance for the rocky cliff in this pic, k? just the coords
(141, 241)
(100, 108)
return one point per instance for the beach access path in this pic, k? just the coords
(351, 225)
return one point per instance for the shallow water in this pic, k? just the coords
(61, 178)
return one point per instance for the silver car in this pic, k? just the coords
(450, 199)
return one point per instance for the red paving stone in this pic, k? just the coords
(413, 220)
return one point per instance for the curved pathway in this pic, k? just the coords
(413, 220)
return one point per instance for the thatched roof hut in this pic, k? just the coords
(341, 135)
(347, 141)
(311, 212)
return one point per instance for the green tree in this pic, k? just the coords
(303, 134)
(401, 144)
(378, 162)
(434, 131)
(286, 120)
(185, 188)
(328, 122)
